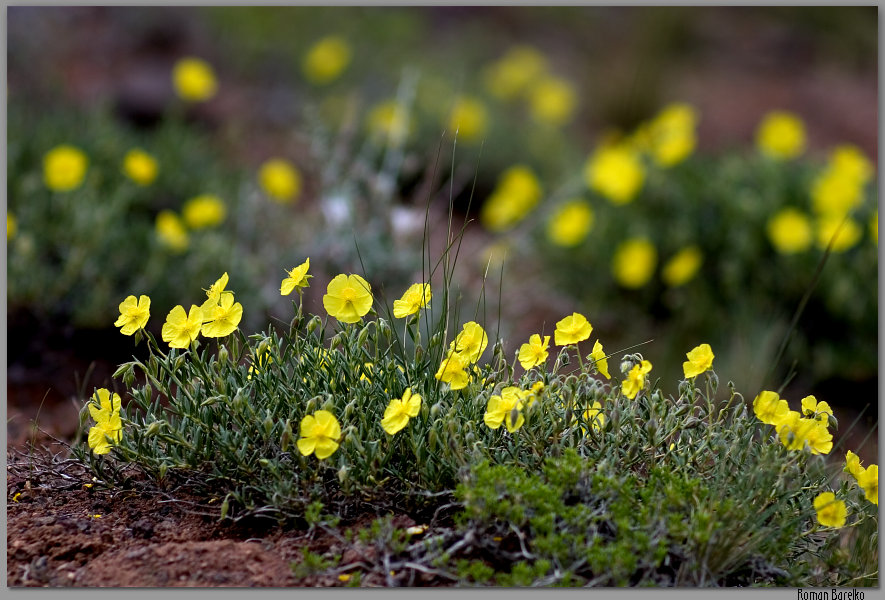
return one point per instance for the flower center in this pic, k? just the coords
(348, 294)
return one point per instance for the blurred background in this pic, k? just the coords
(675, 174)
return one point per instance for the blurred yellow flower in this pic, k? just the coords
(204, 211)
(280, 180)
(635, 381)
(11, 226)
(506, 408)
(326, 60)
(616, 172)
(140, 167)
(597, 355)
(534, 352)
(320, 433)
(297, 279)
(845, 233)
(770, 408)
(389, 121)
(194, 80)
(468, 119)
(781, 135)
(509, 76)
(852, 163)
(64, 168)
(398, 412)
(634, 262)
(572, 329)
(594, 416)
(134, 314)
(830, 512)
(669, 137)
(700, 359)
(570, 224)
(682, 266)
(171, 231)
(414, 299)
(516, 193)
(552, 101)
(868, 480)
(180, 328)
(222, 319)
(348, 298)
(470, 342)
(453, 370)
(789, 231)
(835, 193)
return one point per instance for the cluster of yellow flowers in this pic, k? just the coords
(832, 512)
(108, 428)
(217, 317)
(523, 73)
(463, 352)
(516, 194)
(836, 191)
(797, 430)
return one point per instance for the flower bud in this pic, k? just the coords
(268, 425)
(434, 410)
(435, 340)
(313, 324)
(154, 428)
(626, 365)
(432, 440)
(262, 348)
(329, 405)
(363, 335)
(384, 328)
(162, 472)
(286, 437)
(223, 354)
(342, 474)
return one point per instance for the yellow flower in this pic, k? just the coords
(414, 299)
(11, 226)
(570, 224)
(552, 101)
(108, 427)
(215, 292)
(194, 80)
(320, 433)
(171, 231)
(297, 279)
(203, 211)
(471, 342)
(634, 262)
(844, 233)
(615, 172)
(506, 408)
(770, 408)
(389, 121)
(348, 298)
(669, 138)
(597, 355)
(796, 431)
(515, 195)
(64, 168)
(326, 60)
(830, 512)
(140, 167)
(594, 417)
(700, 359)
(789, 231)
(181, 329)
(572, 329)
(868, 480)
(453, 370)
(781, 135)
(280, 180)
(468, 119)
(512, 73)
(534, 352)
(223, 318)
(134, 314)
(682, 266)
(850, 161)
(398, 412)
(834, 193)
(819, 410)
(635, 381)
(852, 464)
